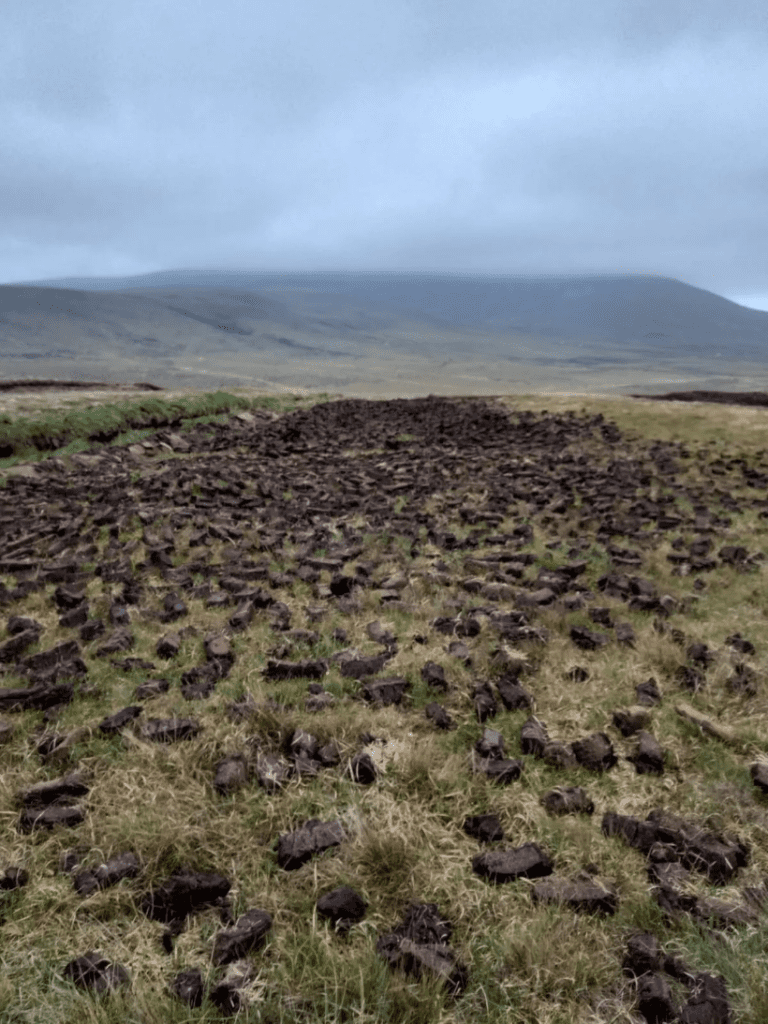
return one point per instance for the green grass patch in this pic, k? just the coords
(68, 431)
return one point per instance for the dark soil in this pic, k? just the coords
(65, 385)
(757, 398)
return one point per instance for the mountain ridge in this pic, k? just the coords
(222, 320)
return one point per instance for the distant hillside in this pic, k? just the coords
(167, 320)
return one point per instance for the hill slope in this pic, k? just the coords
(176, 326)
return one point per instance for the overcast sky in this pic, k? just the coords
(504, 137)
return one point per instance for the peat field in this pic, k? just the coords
(444, 569)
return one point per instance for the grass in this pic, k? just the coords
(406, 842)
(75, 429)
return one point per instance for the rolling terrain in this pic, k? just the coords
(383, 334)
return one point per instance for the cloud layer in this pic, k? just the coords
(506, 138)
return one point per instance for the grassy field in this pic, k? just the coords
(526, 962)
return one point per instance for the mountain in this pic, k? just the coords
(173, 323)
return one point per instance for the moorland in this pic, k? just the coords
(383, 335)
(422, 710)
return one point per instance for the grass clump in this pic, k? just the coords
(68, 431)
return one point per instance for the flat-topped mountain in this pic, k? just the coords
(178, 326)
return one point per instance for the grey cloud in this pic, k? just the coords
(415, 134)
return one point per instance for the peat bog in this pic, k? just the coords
(411, 710)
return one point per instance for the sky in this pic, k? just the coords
(500, 137)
